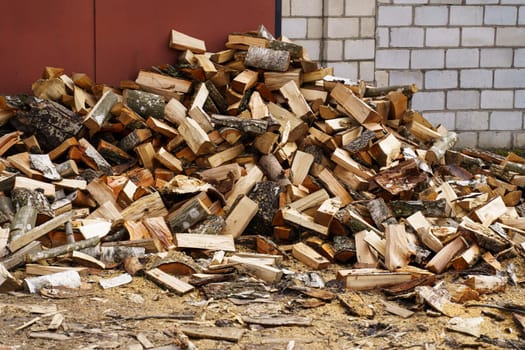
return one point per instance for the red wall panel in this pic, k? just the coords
(134, 34)
(37, 33)
(111, 39)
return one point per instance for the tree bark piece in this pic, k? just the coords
(146, 104)
(267, 59)
(436, 208)
(309, 257)
(400, 178)
(24, 220)
(49, 121)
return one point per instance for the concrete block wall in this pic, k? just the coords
(466, 56)
(338, 33)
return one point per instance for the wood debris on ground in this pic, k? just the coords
(234, 162)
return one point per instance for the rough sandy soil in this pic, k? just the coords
(96, 319)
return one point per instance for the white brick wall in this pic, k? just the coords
(466, 56)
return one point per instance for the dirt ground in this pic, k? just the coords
(95, 318)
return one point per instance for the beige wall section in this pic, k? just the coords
(466, 56)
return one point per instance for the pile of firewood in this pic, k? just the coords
(255, 144)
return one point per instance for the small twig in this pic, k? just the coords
(499, 307)
(147, 317)
(35, 320)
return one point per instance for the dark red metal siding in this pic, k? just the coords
(37, 33)
(111, 39)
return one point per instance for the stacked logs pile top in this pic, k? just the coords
(253, 145)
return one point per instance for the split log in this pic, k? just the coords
(164, 85)
(160, 232)
(296, 100)
(195, 137)
(181, 41)
(485, 237)
(368, 279)
(254, 126)
(19, 257)
(101, 111)
(422, 226)
(203, 241)
(38, 231)
(309, 257)
(93, 159)
(358, 109)
(240, 215)
(441, 260)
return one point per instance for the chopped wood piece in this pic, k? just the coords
(335, 187)
(240, 216)
(305, 221)
(168, 281)
(342, 158)
(63, 249)
(441, 260)
(300, 166)
(397, 252)
(147, 206)
(296, 100)
(195, 137)
(181, 41)
(491, 211)
(164, 85)
(485, 237)
(38, 231)
(265, 272)
(93, 159)
(434, 208)
(354, 105)
(486, 284)
(101, 111)
(160, 232)
(422, 226)
(208, 242)
(367, 279)
(309, 257)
